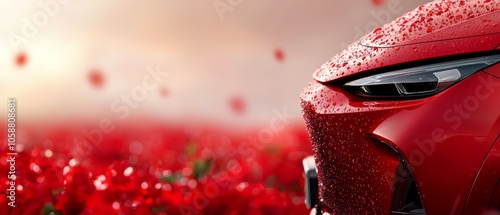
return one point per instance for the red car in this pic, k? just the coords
(407, 119)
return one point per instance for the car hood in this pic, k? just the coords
(437, 29)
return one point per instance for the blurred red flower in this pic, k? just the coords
(171, 174)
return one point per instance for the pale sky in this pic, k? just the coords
(209, 60)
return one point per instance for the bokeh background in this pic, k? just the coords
(262, 52)
(186, 90)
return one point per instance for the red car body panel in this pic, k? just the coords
(447, 139)
(354, 168)
(486, 189)
(360, 59)
(473, 28)
(437, 21)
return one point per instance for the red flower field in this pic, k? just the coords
(155, 170)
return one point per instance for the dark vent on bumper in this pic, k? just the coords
(405, 197)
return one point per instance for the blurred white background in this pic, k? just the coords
(233, 71)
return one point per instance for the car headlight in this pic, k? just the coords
(419, 81)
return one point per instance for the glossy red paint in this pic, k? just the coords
(477, 30)
(447, 140)
(486, 189)
(437, 21)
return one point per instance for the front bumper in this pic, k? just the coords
(359, 145)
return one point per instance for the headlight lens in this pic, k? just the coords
(419, 81)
